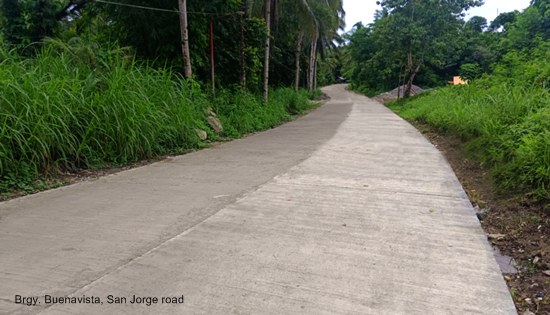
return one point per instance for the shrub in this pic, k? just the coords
(504, 120)
(78, 106)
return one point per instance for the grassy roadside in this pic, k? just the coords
(498, 142)
(73, 109)
(505, 127)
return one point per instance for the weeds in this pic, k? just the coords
(74, 107)
(504, 121)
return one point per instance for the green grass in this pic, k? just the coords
(242, 112)
(504, 121)
(77, 106)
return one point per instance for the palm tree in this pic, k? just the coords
(297, 54)
(312, 27)
(308, 26)
(330, 17)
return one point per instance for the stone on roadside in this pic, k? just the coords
(496, 237)
(201, 134)
(210, 112)
(215, 124)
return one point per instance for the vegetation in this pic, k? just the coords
(428, 44)
(71, 98)
(503, 115)
(68, 110)
(503, 119)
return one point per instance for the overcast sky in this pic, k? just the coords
(363, 10)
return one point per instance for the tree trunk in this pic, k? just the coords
(188, 72)
(410, 82)
(413, 71)
(298, 52)
(315, 65)
(267, 48)
(242, 58)
(312, 61)
(399, 84)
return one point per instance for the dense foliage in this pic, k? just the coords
(69, 109)
(504, 119)
(438, 42)
(152, 29)
(72, 98)
(503, 114)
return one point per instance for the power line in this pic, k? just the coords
(137, 6)
(166, 10)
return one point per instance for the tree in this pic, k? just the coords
(29, 21)
(421, 30)
(267, 49)
(501, 22)
(185, 39)
(530, 26)
(330, 17)
(313, 21)
(477, 23)
(156, 36)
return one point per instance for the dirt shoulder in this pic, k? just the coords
(515, 226)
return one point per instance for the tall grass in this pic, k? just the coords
(77, 106)
(504, 120)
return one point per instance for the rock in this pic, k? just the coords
(201, 134)
(528, 312)
(536, 260)
(215, 123)
(496, 237)
(546, 272)
(210, 112)
(481, 215)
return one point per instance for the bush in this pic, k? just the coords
(504, 120)
(74, 106)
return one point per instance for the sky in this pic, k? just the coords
(363, 10)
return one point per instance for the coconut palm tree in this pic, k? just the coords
(318, 20)
(330, 18)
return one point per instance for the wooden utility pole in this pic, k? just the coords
(188, 72)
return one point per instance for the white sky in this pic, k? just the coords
(363, 10)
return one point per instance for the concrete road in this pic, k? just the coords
(348, 210)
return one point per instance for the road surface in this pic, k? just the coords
(348, 210)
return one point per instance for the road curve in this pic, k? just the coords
(348, 210)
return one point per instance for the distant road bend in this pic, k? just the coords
(348, 210)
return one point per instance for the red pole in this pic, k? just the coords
(212, 70)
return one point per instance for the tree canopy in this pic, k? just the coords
(151, 28)
(428, 42)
